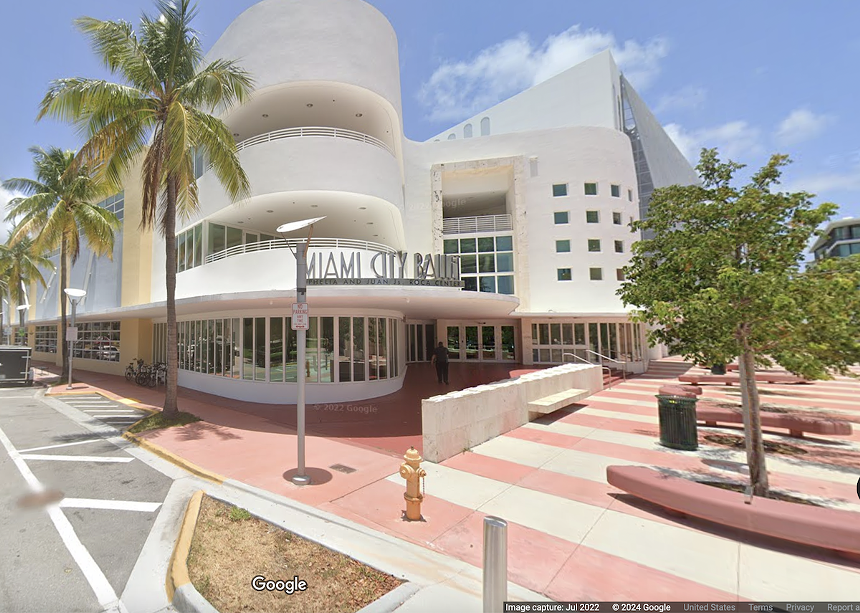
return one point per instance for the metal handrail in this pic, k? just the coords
(310, 131)
(623, 364)
(606, 368)
(280, 243)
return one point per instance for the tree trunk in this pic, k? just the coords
(171, 406)
(63, 298)
(752, 423)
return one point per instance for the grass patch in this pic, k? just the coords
(159, 420)
(229, 550)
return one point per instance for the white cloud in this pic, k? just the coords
(801, 125)
(686, 98)
(460, 89)
(735, 140)
(842, 175)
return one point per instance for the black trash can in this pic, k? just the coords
(677, 412)
(15, 364)
(718, 369)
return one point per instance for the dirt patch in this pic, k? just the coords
(737, 442)
(230, 548)
(737, 487)
(158, 421)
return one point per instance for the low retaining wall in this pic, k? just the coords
(469, 417)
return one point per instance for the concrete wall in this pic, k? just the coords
(460, 420)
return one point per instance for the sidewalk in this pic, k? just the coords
(571, 535)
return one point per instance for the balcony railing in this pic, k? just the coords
(472, 225)
(317, 243)
(313, 131)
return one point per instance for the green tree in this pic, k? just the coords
(19, 267)
(722, 278)
(59, 210)
(161, 111)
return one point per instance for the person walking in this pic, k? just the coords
(440, 359)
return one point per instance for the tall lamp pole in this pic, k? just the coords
(75, 296)
(22, 310)
(301, 253)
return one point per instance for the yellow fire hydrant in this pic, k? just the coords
(411, 471)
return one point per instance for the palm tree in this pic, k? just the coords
(58, 209)
(161, 111)
(19, 266)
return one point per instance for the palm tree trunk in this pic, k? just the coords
(172, 388)
(752, 423)
(63, 282)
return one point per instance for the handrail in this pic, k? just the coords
(606, 368)
(623, 364)
(280, 243)
(308, 131)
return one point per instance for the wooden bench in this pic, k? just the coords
(832, 529)
(761, 377)
(795, 424)
(557, 401)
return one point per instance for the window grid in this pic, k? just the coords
(98, 341)
(482, 258)
(46, 339)
(115, 204)
(594, 245)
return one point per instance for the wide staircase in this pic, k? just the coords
(612, 377)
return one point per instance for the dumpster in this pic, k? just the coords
(15, 365)
(677, 413)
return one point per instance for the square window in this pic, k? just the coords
(615, 191)
(591, 189)
(562, 246)
(630, 195)
(504, 262)
(470, 284)
(504, 243)
(486, 263)
(467, 245)
(468, 264)
(486, 244)
(596, 274)
(452, 245)
(506, 284)
(561, 217)
(564, 274)
(559, 189)
(616, 219)
(592, 216)
(619, 274)
(619, 246)
(488, 284)
(594, 245)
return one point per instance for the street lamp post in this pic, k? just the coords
(22, 311)
(301, 252)
(75, 296)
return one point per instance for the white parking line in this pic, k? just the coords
(105, 594)
(112, 505)
(103, 415)
(76, 458)
(92, 440)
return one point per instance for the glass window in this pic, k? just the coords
(630, 195)
(594, 245)
(592, 216)
(198, 245)
(843, 250)
(344, 350)
(619, 274)
(567, 334)
(251, 238)
(217, 238)
(619, 246)
(616, 218)
(358, 364)
(579, 334)
(485, 126)
(564, 274)
(382, 360)
(372, 348)
(312, 357)
(327, 349)
(505, 262)
(266, 238)
(470, 284)
(180, 252)
(468, 264)
(561, 217)
(486, 244)
(488, 284)
(452, 136)
(467, 245)
(451, 245)
(486, 263)
(555, 333)
(615, 191)
(562, 246)
(467, 131)
(248, 349)
(234, 237)
(259, 349)
(544, 334)
(236, 366)
(505, 284)
(855, 248)
(855, 231)
(559, 189)
(508, 343)
(591, 189)
(276, 349)
(596, 274)
(504, 243)
(471, 342)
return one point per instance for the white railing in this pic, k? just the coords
(316, 243)
(313, 131)
(472, 225)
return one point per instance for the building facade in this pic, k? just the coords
(840, 239)
(504, 238)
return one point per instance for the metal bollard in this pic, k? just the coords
(495, 564)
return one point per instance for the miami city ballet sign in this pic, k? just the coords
(350, 268)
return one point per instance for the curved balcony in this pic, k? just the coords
(313, 132)
(317, 243)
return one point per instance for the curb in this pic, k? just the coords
(393, 600)
(180, 591)
(173, 458)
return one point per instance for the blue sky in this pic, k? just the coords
(751, 78)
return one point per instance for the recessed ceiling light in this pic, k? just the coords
(270, 211)
(369, 223)
(240, 222)
(359, 114)
(309, 105)
(314, 206)
(362, 208)
(376, 235)
(235, 134)
(265, 115)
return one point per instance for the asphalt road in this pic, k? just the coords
(75, 554)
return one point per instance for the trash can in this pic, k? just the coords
(15, 364)
(677, 412)
(718, 369)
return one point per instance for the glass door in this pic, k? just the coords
(472, 349)
(488, 342)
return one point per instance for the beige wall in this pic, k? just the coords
(136, 246)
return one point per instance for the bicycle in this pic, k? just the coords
(131, 372)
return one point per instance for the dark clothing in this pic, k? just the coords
(440, 356)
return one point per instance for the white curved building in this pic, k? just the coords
(504, 237)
